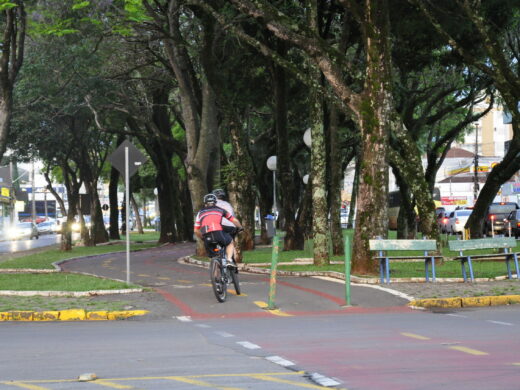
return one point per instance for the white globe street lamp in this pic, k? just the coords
(307, 138)
(271, 164)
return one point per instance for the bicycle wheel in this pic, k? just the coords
(234, 277)
(217, 280)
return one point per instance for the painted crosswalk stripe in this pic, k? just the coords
(500, 323)
(415, 336)
(26, 386)
(323, 380)
(112, 385)
(184, 318)
(248, 345)
(468, 350)
(279, 360)
(224, 334)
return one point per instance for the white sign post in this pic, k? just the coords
(127, 159)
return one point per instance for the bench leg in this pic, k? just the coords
(509, 276)
(433, 269)
(463, 266)
(471, 270)
(381, 270)
(387, 266)
(426, 270)
(516, 266)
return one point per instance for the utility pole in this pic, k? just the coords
(476, 186)
(33, 193)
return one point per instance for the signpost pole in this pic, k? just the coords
(127, 207)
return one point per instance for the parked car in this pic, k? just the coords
(442, 219)
(496, 216)
(514, 219)
(23, 230)
(457, 221)
(47, 227)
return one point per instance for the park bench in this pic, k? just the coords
(383, 246)
(504, 243)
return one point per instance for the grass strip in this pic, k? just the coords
(58, 282)
(10, 303)
(44, 260)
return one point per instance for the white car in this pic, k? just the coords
(22, 230)
(457, 221)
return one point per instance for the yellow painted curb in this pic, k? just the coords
(21, 316)
(476, 301)
(438, 302)
(73, 315)
(121, 315)
(97, 315)
(69, 315)
(46, 316)
(466, 302)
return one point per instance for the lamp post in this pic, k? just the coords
(271, 164)
(475, 188)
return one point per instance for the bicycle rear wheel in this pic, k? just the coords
(217, 280)
(234, 277)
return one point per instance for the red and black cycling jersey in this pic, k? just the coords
(209, 219)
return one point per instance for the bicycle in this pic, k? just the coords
(221, 275)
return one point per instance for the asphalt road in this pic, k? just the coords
(11, 246)
(190, 341)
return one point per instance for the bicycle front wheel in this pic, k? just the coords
(236, 282)
(217, 280)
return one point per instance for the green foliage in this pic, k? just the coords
(6, 4)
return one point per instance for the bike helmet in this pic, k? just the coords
(219, 193)
(210, 198)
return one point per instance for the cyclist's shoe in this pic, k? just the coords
(231, 264)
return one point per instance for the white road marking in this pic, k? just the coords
(203, 325)
(500, 323)
(323, 380)
(184, 318)
(456, 315)
(224, 334)
(248, 345)
(279, 360)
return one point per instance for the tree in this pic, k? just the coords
(13, 24)
(490, 43)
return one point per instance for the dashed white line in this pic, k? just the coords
(248, 345)
(224, 334)
(323, 380)
(184, 318)
(500, 323)
(456, 315)
(279, 360)
(203, 325)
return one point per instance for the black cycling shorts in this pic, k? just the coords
(231, 230)
(220, 237)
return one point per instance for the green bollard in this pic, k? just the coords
(272, 279)
(347, 269)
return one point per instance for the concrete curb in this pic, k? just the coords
(69, 315)
(458, 302)
(455, 302)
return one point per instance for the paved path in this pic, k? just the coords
(184, 290)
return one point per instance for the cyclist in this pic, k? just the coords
(208, 226)
(227, 225)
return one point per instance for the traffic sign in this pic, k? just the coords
(135, 158)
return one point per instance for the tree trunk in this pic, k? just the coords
(113, 204)
(372, 210)
(241, 184)
(13, 38)
(336, 180)
(135, 207)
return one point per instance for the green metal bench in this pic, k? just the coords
(504, 243)
(382, 246)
